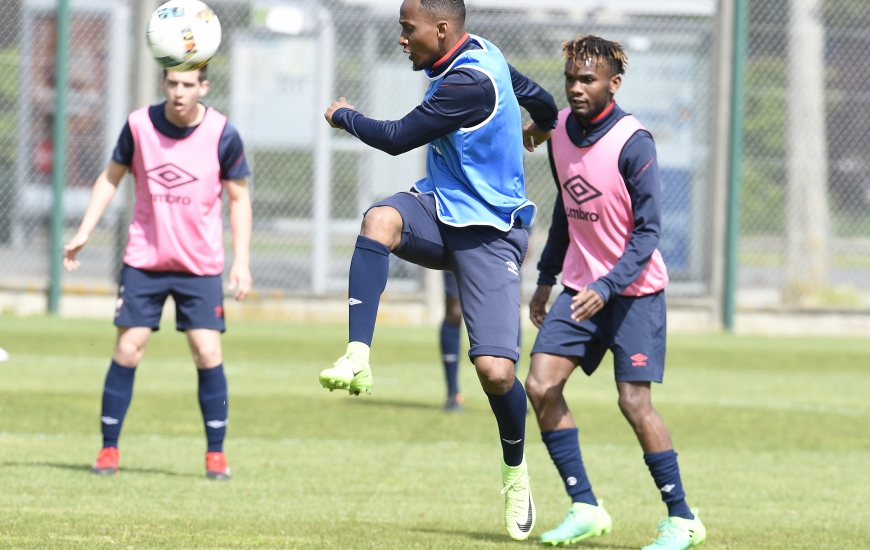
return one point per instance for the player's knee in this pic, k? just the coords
(207, 356)
(634, 405)
(383, 224)
(128, 354)
(452, 311)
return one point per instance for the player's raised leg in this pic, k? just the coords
(369, 267)
(205, 345)
(118, 392)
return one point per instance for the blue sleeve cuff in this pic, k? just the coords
(338, 117)
(601, 288)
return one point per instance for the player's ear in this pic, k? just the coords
(443, 27)
(203, 88)
(615, 83)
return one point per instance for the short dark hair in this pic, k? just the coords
(448, 9)
(203, 73)
(601, 50)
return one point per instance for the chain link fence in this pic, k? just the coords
(282, 62)
(805, 238)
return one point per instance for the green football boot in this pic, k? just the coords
(351, 372)
(519, 508)
(679, 533)
(583, 521)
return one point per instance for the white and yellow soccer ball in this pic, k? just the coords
(183, 35)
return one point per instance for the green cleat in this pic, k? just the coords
(519, 508)
(351, 372)
(679, 533)
(583, 521)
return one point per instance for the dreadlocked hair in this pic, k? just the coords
(591, 47)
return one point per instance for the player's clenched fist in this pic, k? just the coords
(336, 105)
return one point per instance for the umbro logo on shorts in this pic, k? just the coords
(512, 267)
(108, 420)
(353, 302)
(638, 360)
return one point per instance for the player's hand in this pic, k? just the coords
(586, 303)
(534, 136)
(538, 305)
(71, 249)
(336, 105)
(240, 281)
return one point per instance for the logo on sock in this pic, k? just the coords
(509, 442)
(451, 357)
(668, 488)
(571, 481)
(353, 302)
(109, 421)
(215, 424)
(638, 360)
(512, 267)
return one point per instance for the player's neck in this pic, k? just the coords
(185, 121)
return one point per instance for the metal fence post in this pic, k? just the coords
(62, 20)
(320, 231)
(741, 16)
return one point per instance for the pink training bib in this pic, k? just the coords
(598, 207)
(177, 223)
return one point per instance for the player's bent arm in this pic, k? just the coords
(101, 195)
(639, 169)
(241, 221)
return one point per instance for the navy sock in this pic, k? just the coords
(213, 403)
(564, 448)
(510, 414)
(117, 394)
(369, 269)
(450, 356)
(666, 474)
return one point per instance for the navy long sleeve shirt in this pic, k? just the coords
(465, 98)
(639, 169)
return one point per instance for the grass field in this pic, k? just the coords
(772, 433)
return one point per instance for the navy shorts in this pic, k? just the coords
(485, 261)
(199, 299)
(633, 328)
(451, 289)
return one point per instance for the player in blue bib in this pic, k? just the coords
(468, 216)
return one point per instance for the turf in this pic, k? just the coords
(772, 435)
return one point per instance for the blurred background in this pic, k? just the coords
(760, 110)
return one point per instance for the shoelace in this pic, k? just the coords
(517, 507)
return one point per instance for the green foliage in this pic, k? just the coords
(753, 419)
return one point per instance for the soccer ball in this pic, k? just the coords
(183, 35)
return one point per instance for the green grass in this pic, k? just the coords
(772, 436)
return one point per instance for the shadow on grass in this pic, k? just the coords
(492, 537)
(87, 468)
(388, 403)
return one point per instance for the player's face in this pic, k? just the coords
(421, 37)
(183, 92)
(590, 87)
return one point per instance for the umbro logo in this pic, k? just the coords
(451, 357)
(170, 176)
(109, 421)
(512, 267)
(668, 488)
(215, 424)
(638, 360)
(581, 190)
(353, 302)
(510, 442)
(571, 481)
